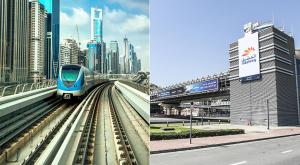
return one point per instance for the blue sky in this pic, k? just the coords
(121, 18)
(190, 39)
(47, 4)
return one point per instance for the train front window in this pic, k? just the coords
(70, 74)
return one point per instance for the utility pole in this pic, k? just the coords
(268, 113)
(192, 108)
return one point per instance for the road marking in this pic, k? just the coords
(287, 151)
(238, 163)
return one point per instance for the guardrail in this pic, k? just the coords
(21, 88)
(137, 86)
(138, 100)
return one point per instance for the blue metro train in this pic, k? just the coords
(75, 81)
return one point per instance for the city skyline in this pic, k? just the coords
(202, 37)
(119, 20)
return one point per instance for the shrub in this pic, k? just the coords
(195, 134)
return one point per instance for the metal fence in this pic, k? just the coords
(21, 88)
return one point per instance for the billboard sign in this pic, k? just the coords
(204, 86)
(172, 92)
(164, 94)
(249, 68)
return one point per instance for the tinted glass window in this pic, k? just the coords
(70, 73)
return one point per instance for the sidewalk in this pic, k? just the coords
(162, 146)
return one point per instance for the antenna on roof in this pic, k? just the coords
(273, 19)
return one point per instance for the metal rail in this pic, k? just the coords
(126, 155)
(88, 135)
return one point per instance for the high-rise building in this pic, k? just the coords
(126, 56)
(262, 77)
(72, 54)
(52, 55)
(139, 65)
(48, 48)
(82, 57)
(122, 65)
(38, 18)
(133, 61)
(74, 50)
(55, 18)
(113, 58)
(96, 24)
(65, 54)
(14, 40)
(103, 58)
(94, 56)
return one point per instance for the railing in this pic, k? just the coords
(21, 88)
(140, 87)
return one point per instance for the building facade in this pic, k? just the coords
(65, 54)
(38, 19)
(70, 52)
(113, 58)
(48, 54)
(96, 24)
(273, 89)
(94, 56)
(126, 56)
(14, 40)
(55, 18)
(133, 61)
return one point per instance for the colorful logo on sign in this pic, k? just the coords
(248, 56)
(248, 51)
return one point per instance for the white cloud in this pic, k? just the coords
(79, 17)
(68, 24)
(134, 4)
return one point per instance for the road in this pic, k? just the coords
(281, 151)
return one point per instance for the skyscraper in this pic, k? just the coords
(69, 56)
(103, 58)
(139, 65)
(96, 24)
(96, 45)
(65, 54)
(94, 49)
(48, 51)
(126, 57)
(74, 50)
(55, 37)
(14, 40)
(38, 18)
(53, 18)
(113, 58)
(133, 63)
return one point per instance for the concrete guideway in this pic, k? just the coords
(136, 128)
(100, 132)
(162, 146)
(48, 125)
(139, 100)
(280, 151)
(12, 103)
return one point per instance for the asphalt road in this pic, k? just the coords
(281, 151)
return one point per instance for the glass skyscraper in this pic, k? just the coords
(96, 24)
(53, 9)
